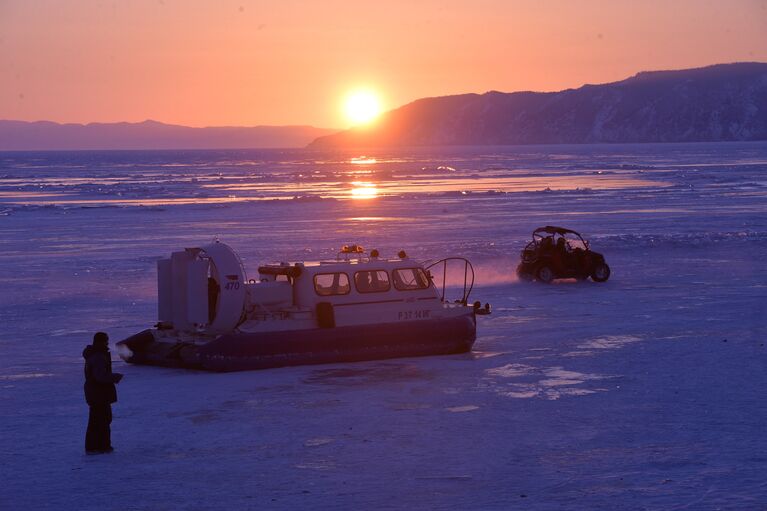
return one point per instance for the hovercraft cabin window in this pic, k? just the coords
(329, 284)
(374, 281)
(409, 279)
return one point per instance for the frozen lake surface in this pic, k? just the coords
(646, 392)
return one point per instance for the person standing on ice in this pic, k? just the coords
(100, 393)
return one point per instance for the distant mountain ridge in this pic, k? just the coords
(724, 102)
(45, 135)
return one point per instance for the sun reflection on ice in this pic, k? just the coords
(363, 160)
(362, 190)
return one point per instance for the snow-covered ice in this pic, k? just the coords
(645, 392)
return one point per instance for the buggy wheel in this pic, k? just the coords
(601, 273)
(545, 274)
(523, 275)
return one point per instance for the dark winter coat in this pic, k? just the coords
(99, 378)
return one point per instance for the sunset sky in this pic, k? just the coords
(203, 63)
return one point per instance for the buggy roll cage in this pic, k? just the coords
(468, 276)
(552, 230)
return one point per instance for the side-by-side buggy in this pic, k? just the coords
(559, 253)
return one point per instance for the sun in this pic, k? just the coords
(362, 107)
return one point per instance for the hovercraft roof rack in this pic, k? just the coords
(281, 269)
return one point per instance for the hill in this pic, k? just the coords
(44, 135)
(725, 102)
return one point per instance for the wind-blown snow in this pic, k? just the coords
(645, 392)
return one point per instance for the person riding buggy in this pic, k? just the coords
(559, 253)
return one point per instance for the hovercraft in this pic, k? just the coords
(357, 307)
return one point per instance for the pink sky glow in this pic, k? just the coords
(203, 63)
